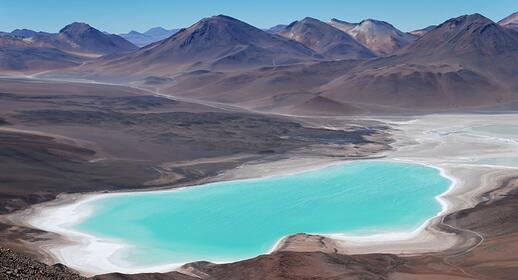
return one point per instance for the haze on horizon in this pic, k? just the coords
(117, 16)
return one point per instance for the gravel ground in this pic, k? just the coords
(17, 266)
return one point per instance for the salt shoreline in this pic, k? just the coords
(82, 246)
(73, 245)
(425, 239)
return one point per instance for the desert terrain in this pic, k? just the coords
(86, 112)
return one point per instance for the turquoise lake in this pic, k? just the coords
(234, 220)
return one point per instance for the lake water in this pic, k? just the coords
(235, 220)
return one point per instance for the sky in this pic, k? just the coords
(121, 16)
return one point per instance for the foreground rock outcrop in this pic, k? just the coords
(18, 266)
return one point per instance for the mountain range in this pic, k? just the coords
(215, 43)
(308, 66)
(154, 34)
(28, 51)
(465, 62)
(82, 38)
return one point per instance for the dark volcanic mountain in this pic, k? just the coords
(510, 21)
(380, 37)
(325, 39)
(82, 38)
(154, 34)
(218, 42)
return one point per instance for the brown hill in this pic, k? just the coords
(27, 51)
(82, 38)
(278, 88)
(18, 55)
(380, 37)
(510, 21)
(325, 39)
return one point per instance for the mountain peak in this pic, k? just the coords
(220, 18)
(510, 21)
(76, 27)
(276, 29)
(310, 19)
(341, 21)
(306, 20)
(160, 32)
(422, 31)
(370, 21)
(468, 19)
(23, 33)
(513, 18)
(152, 35)
(325, 39)
(156, 29)
(342, 25)
(465, 37)
(379, 36)
(224, 16)
(210, 28)
(217, 20)
(478, 17)
(81, 37)
(220, 42)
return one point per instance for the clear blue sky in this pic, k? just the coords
(119, 16)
